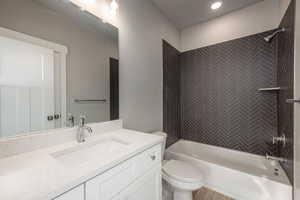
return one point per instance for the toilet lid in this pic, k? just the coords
(183, 171)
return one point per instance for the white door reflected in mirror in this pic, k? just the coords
(26, 87)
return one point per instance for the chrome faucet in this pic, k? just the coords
(81, 128)
(268, 157)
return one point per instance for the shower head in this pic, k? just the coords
(270, 37)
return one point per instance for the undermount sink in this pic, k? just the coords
(102, 149)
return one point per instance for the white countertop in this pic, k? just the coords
(37, 175)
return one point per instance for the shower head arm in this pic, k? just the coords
(270, 37)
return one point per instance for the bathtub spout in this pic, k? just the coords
(268, 157)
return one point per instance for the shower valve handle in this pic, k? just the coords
(293, 101)
(281, 139)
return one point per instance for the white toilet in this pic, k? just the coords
(183, 177)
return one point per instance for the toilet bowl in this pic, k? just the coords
(183, 177)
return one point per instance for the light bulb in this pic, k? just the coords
(216, 5)
(114, 5)
(113, 12)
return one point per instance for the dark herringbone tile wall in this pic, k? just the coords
(220, 102)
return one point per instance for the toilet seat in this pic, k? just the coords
(182, 171)
(182, 176)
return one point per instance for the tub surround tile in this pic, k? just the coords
(220, 101)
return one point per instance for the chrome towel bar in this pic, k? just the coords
(90, 100)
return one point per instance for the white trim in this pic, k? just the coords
(63, 85)
(60, 49)
(33, 40)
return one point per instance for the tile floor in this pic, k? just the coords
(207, 194)
(202, 194)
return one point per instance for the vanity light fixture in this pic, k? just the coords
(216, 5)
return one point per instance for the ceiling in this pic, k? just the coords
(184, 13)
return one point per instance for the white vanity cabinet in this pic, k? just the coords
(74, 194)
(128, 176)
(137, 178)
(147, 187)
(109, 184)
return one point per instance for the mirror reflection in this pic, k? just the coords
(57, 63)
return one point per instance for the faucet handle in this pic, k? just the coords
(280, 139)
(82, 119)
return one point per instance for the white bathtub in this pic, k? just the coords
(239, 175)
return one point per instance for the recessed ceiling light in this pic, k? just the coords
(216, 5)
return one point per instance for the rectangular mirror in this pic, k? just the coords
(57, 62)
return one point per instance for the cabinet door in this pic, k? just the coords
(109, 184)
(146, 188)
(75, 194)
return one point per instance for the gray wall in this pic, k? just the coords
(141, 30)
(88, 57)
(262, 16)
